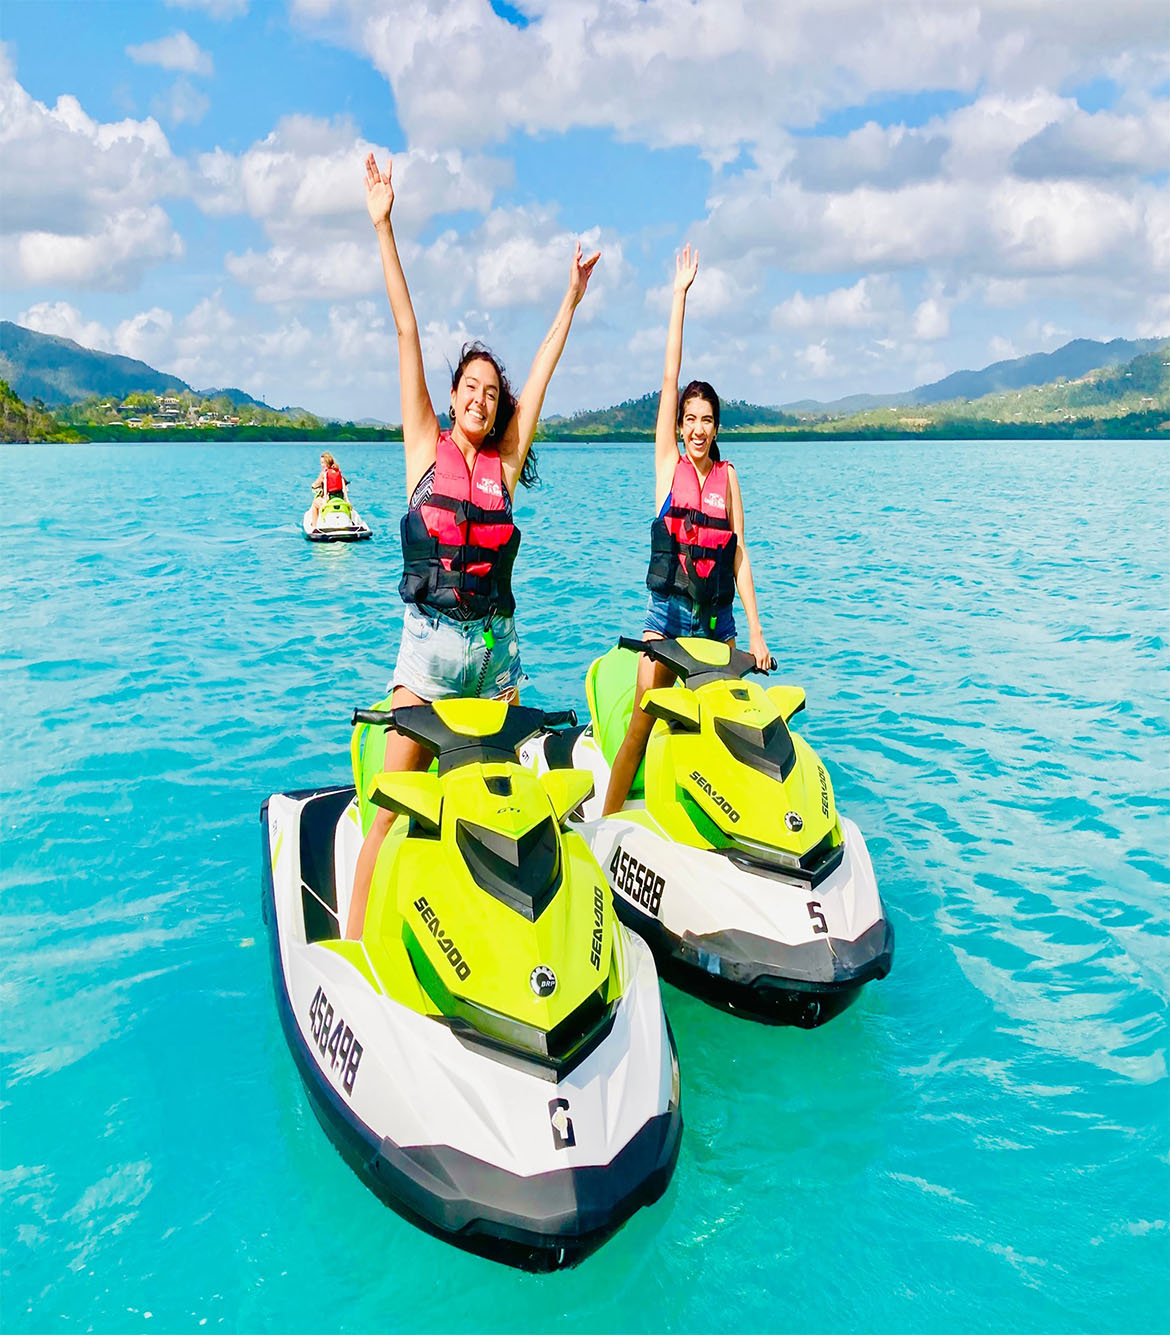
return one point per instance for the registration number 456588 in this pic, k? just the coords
(638, 882)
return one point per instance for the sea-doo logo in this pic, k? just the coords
(442, 940)
(715, 501)
(561, 1124)
(543, 981)
(720, 802)
(824, 790)
(598, 925)
(793, 820)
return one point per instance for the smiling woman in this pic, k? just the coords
(458, 538)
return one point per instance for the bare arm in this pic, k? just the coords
(420, 426)
(517, 440)
(686, 266)
(743, 575)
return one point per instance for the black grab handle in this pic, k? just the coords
(379, 716)
(560, 718)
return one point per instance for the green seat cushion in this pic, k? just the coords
(609, 687)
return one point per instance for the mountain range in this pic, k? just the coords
(1071, 362)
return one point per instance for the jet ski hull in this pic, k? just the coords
(413, 1068)
(800, 985)
(354, 529)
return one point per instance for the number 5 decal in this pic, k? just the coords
(820, 926)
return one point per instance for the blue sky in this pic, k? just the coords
(881, 193)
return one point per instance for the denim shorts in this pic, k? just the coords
(440, 657)
(675, 615)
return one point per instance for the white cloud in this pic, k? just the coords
(146, 336)
(885, 156)
(284, 273)
(287, 342)
(113, 256)
(1039, 227)
(95, 166)
(867, 302)
(90, 221)
(757, 67)
(724, 290)
(66, 321)
(817, 360)
(182, 103)
(997, 228)
(216, 9)
(176, 52)
(932, 319)
(1103, 144)
(1155, 319)
(309, 170)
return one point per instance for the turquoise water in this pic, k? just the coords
(980, 1144)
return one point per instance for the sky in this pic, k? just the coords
(881, 191)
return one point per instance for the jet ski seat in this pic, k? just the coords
(609, 688)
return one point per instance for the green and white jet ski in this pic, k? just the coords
(492, 1057)
(730, 857)
(337, 521)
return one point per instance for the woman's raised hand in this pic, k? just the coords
(686, 266)
(579, 275)
(379, 191)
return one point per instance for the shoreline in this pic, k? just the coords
(1132, 426)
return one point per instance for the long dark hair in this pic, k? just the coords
(505, 404)
(701, 389)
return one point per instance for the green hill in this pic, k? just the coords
(58, 371)
(1136, 393)
(20, 422)
(639, 415)
(1069, 362)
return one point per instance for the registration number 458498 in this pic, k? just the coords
(636, 881)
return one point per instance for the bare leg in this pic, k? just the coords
(651, 676)
(401, 754)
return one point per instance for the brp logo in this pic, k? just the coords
(543, 981)
(794, 821)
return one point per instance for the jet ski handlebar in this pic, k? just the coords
(674, 656)
(504, 732)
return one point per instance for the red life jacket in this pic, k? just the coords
(458, 547)
(692, 543)
(334, 482)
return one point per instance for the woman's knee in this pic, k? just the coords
(380, 826)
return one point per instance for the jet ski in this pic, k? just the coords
(491, 1057)
(729, 858)
(337, 521)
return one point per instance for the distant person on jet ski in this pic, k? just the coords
(458, 538)
(329, 484)
(698, 558)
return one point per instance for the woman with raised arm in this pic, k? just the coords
(458, 538)
(698, 557)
